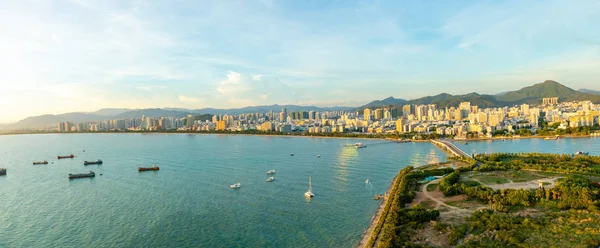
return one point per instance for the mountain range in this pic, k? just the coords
(44, 121)
(531, 95)
(593, 92)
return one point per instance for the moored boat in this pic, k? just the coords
(92, 162)
(270, 179)
(359, 145)
(153, 168)
(62, 157)
(82, 175)
(236, 186)
(40, 162)
(2, 171)
(551, 137)
(271, 172)
(581, 153)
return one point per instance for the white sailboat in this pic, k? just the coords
(309, 193)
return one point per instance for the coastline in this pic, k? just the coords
(230, 133)
(367, 234)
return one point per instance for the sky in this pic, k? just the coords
(84, 55)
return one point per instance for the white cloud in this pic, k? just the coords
(264, 97)
(233, 85)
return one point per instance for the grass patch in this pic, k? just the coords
(428, 204)
(546, 183)
(523, 176)
(493, 179)
(432, 187)
(471, 183)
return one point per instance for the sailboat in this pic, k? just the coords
(309, 193)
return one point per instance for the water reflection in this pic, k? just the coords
(344, 159)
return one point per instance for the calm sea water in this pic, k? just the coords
(188, 203)
(562, 146)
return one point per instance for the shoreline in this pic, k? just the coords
(368, 232)
(225, 134)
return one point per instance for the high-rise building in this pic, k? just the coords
(407, 110)
(387, 114)
(367, 114)
(378, 114)
(190, 121)
(221, 126)
(465, 105)
(399, 125)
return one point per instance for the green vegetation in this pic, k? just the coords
(432, 187)
(493, 179)
(533, 94)
(448, 184)
(566, 215)
(562, 229)
(538, 161)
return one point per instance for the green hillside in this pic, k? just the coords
(534, 94)
(531, 95)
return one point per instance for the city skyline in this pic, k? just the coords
(69, 56)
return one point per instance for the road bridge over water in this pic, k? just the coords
(450, 147)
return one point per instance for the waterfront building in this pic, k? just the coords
(221, 126)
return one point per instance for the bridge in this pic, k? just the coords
(450, 147)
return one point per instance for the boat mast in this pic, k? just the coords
(309, 184)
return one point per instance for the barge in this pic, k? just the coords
(92, 162)
(83, 175)
(153, 168)
(62, 157)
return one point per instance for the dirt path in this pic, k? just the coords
(441, 203)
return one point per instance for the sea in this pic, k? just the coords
(559, 146)
(188, 202)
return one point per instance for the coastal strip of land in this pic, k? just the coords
(377, 220)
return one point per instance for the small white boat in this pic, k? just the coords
(236, 186)
(271, 172)
(367, 182)
(309, 193)
(359, 145)
(318, 156)
(270, 179)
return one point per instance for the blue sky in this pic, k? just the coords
(82, 55)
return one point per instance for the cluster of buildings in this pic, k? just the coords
(459, 121)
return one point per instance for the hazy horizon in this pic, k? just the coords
(85, 55)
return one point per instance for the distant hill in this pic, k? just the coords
(110, 111)
(533, 94)
(447, 100)
(44, 121)
(588, 91)
(275, 108)
(138, 113)
(382, 103)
